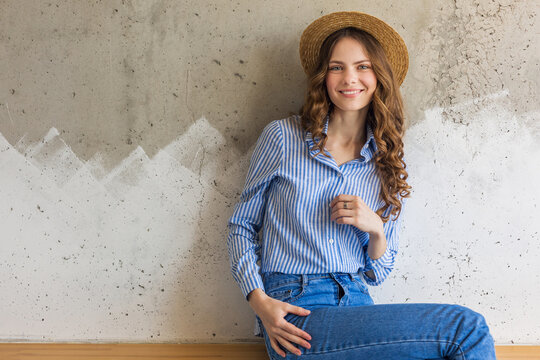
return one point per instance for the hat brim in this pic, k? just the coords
(392, 43)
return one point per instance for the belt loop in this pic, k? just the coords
(304, 280)
(333, 276)
(351, 276)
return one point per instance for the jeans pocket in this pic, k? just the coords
(286, 292)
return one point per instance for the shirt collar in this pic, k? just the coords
(369, 149)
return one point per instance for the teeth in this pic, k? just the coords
(351, 92)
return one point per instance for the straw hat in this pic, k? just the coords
(315, 34)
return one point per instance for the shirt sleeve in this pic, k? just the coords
(243, 240)
(380, 268)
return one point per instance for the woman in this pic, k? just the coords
(327, 189)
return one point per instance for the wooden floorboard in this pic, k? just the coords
(24, 351)
(518, 352)
(54, 351)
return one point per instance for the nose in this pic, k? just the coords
(350, 76)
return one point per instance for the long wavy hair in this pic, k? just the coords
(385, 116)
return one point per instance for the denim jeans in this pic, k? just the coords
(345, 324)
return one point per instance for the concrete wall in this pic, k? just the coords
(126, 130)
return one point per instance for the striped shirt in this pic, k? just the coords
(287, 196)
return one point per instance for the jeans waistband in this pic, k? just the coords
(305, 278)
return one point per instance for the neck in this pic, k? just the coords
(348, 126)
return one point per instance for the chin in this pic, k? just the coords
(349, 107)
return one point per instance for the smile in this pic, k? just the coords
(350, 92)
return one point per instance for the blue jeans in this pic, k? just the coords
(345, 324)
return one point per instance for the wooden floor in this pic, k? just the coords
(30, 351)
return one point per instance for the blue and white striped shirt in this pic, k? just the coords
(287, 195)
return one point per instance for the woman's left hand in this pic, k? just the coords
(352, 210)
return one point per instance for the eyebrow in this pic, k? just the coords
(341, 63)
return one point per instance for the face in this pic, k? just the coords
(350, 80)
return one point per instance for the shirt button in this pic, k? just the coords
(331, 241)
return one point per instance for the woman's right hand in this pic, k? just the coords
(272, 313)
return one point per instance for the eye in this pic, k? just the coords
(364, 67)
(334, 67)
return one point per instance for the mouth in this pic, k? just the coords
(351, 92)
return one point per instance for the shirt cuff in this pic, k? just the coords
(379, 268)
(386, 260)
(248, 285)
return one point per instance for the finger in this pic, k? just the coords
(297, 310)
(291, 329)
(345, 220)
(337, 199)
(287, 345)
(293, 338)
(341, 198)
(342, 213)
(339, 210)
(276, 347)
(346, 197)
